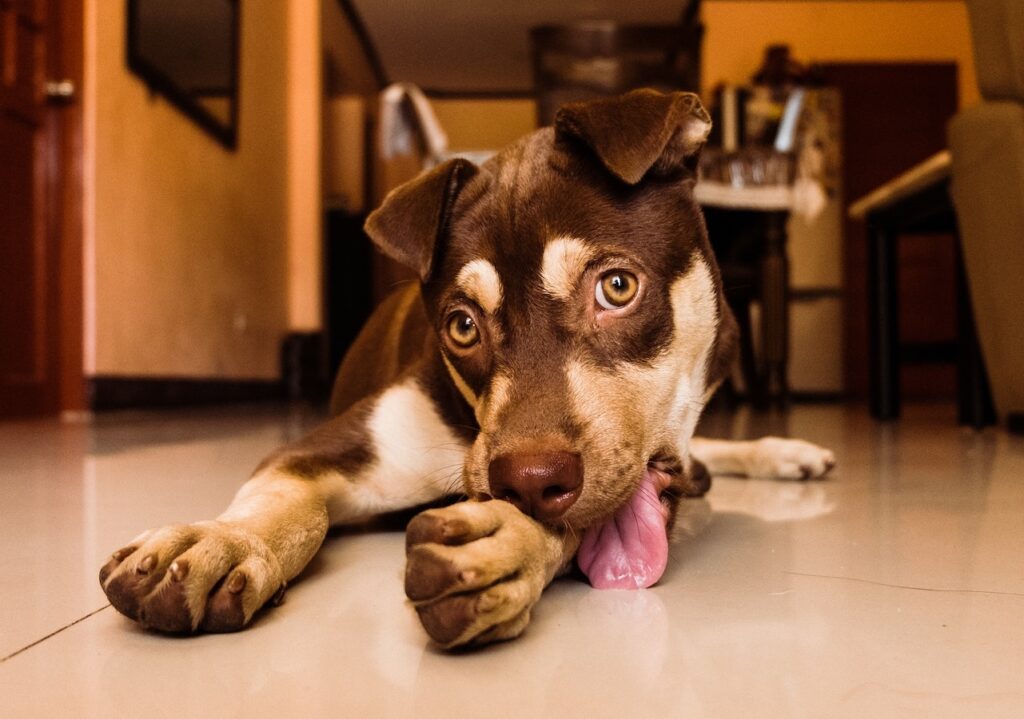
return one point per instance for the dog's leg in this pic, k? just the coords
(386, 453)
(768, 457)
(476, 569)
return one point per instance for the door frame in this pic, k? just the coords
(65, 185)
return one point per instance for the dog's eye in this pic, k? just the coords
(616, 289)
(463, 330)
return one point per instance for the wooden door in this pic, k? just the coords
(895, 116)
(31, 140)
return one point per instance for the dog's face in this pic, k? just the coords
(576, 302)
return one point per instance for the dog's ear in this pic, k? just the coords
(407, 225)
(639, 132)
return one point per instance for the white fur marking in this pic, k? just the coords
(696, 132)
(480, 281)
(565, 259)
(418, 457)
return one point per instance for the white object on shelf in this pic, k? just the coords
(398, 130)
(764, 197)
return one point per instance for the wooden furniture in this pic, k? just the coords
(894, 115)
(587, 60)
(41, 204)
(754, 221)
(916, 202)
(986, 140)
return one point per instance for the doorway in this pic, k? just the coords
(41, 57)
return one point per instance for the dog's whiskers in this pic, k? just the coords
(570, 529)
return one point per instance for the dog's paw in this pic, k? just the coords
(185, 578)
(474, 571)
(778, 458)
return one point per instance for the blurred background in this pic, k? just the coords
(183, 185)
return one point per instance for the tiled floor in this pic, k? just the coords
(894, 588)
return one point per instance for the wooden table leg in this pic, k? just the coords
(775, 308)
(884, 318)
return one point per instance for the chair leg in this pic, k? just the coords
(884, 324)
(775, 308)
(748, 359)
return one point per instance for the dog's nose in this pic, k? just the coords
(541, 484)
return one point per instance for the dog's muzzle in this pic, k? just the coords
(541, 484)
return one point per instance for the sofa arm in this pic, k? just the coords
(987, 145)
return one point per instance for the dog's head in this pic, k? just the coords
(576, 300)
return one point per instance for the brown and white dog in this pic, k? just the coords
(567, 331)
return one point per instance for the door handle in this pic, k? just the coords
(60, 89)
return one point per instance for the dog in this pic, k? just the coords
(549, 367)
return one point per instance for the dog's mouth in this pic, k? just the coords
(629, 550)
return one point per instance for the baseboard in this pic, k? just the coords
(304, 376)
(107, 392)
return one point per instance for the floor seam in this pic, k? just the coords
(907, 586)
(53, 633)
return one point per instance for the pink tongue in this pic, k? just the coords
(630, 550)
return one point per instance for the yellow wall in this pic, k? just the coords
(485, 124)
(835, 30)
(187, 244)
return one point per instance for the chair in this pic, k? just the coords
(987, 146)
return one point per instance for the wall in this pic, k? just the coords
(474, 124)
(836, 30)
(349, 102)
(187, 244)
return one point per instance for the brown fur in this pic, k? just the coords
(419, 417)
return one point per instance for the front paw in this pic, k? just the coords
(209, 576)
(474, 571)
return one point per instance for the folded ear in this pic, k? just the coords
(639, 132)
(407, 225)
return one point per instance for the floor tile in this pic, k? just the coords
(895, 588)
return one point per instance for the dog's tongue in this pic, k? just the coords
(630, 550)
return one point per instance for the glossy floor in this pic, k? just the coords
(893, 588)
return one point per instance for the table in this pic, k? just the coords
(915, 202)
(767, 209)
